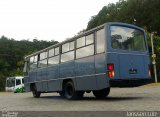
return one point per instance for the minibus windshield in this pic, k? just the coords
(11, 82)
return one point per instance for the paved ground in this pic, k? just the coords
(146, 98)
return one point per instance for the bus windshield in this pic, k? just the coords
(126, 38)
(11, 82)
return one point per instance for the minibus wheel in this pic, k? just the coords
(71, 93)
(100, 94)
(35, 93)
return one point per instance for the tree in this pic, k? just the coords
(12, 55)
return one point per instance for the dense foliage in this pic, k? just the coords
(12, 54)
(143, 13)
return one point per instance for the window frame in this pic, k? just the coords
(34, 62)
(91, 33)
(70, 50)
(55, 55)
(96, 45)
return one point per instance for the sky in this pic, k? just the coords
(46, 19)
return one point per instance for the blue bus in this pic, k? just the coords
(111, 55)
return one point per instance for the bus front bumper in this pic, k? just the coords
(129, 83)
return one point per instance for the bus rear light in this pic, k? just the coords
(110, 66)
(110, 72)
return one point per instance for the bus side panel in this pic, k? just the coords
(32, 76)
(67, 69)
(100, 67)
(45, 86)
(27, 87)
(52, 76)
(39, 86)
(53, 72)
(54, 85)
(41, 74)
(26, 84)
(85, 73)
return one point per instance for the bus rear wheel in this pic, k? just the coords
(100, 94)
(71, 93)
(35, 93)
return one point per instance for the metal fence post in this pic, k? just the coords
(153, 56)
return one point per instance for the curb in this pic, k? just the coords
(153, 84)
(5, 92)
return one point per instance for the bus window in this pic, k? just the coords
(32, 59)
(43, 55)
(81, 42)
(53, 60)
(100, 39)
(127, 38)
(25, 69)
(18, 81)
(35, 58)
(57, 51)
(89, 39)
(67, 56)
(51, 52)
(65, 47)
(85, 51)
(22, 81)
(71, 45)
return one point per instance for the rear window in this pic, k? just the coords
(126, 38)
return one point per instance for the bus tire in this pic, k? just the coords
(100, 94)
(71, 93)
(35, 93)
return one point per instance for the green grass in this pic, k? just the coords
(153, 84)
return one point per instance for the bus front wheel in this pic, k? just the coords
(35, 93)
(100, 94)
(71, 93)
